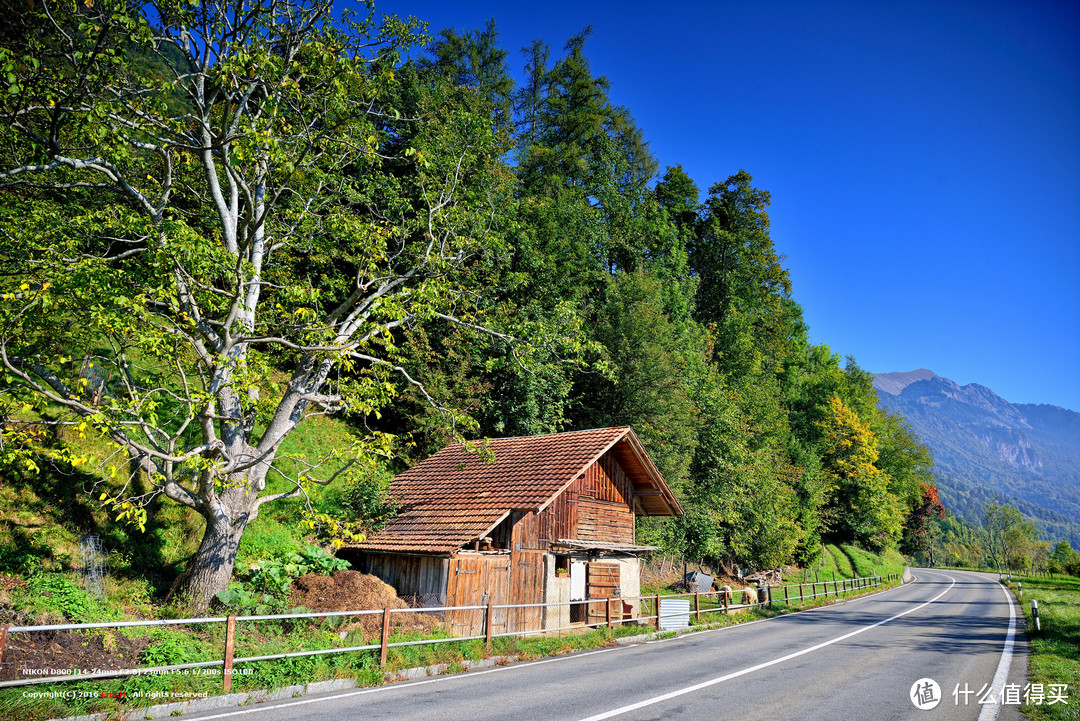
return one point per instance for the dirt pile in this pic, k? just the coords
(354, 591)
(48, 653)
(8, 583)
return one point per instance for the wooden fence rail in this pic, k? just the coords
(704, 603)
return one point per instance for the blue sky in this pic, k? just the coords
(923, 160)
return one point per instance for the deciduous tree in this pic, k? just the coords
(156, 214)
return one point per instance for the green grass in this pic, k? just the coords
(1055, 649)
(204, 642)
(843, 561)
(201, 643)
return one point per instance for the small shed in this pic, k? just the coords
(537, 519)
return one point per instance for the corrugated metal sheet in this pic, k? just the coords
(674, 613)
(572, 543)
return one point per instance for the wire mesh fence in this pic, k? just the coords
(93, 564)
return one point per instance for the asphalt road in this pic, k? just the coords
(852, 660)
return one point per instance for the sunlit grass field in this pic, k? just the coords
(1055, 649)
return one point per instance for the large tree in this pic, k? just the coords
(173, 174)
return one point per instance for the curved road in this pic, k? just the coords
(852, 660)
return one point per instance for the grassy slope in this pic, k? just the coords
(43, 514)
(1055, 650)
(843, 561)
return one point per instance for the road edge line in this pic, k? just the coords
(758, 667)
(1001, 675)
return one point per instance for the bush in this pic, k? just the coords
(18, 560)
(53, 593)
(267, 582)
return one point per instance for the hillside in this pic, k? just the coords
(988, 448)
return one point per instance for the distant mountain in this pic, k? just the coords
(986, 448)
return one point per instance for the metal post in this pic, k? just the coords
(1035, 614)
(487, 629)
(697, 607)
(385, 636)
(230, 642)
(1020, 590)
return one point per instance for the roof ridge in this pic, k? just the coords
(542, 435)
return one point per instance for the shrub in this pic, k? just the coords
(53, 593)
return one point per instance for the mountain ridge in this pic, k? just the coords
(986, 448)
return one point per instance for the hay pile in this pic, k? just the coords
(354, 591)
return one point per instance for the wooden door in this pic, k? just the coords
(478, 581)
(603, 583)
(497, 592)
(526, 586)
(465, 587)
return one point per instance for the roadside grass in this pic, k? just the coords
(176, 645)
(1055, 649)
(204, 643)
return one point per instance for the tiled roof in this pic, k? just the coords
(456, 495)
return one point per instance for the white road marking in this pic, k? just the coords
(261, 708)
(786, 614)
(758, 667)
(990, 711)
(258, 708)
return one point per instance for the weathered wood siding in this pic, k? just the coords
(410, 575)
(477, 580)
(598, 506)
(527, 586)
(604, 521)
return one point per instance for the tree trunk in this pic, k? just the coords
(210, 569)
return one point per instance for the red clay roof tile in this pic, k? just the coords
(456, 495)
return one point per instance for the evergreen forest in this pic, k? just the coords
(258, 257)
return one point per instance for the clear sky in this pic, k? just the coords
(923, 159)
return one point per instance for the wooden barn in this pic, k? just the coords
(539, 519)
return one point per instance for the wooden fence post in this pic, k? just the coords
(658, 612)
(230, 644)
(385, 636)
(3, 639)
(487, 629)
(607, 612)
(697, 607)
(785, 594)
